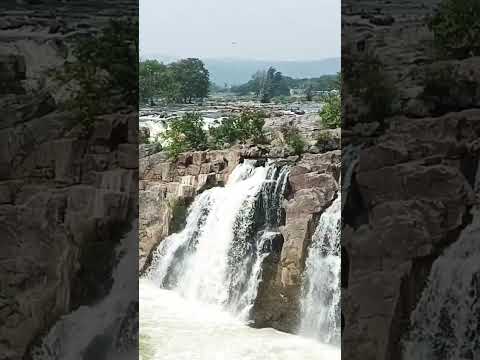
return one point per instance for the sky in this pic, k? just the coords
(241, 29)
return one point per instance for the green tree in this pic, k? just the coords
(239, 129)
(456, 28)
(309, 93)
(152, 80)
(185, 134)
(331, 113)
(104, 67)
(280, 85)
(193, 79)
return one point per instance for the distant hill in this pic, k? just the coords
(239, 71)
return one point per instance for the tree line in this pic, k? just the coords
(270, 83)
(182, 81)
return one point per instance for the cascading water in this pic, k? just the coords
(349, 161)
(320, 302)
(446, 322)
(218, 257)
(198, 293)
(106, 330)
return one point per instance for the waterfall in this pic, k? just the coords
(349, 160)
(446, 321)
(320, 301)
(217, 258)
(106, 330)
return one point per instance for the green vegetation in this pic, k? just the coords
(184, 134)
(456, 28)
(293, 139)
(180, 82)
(266, 85)
(104, 67)
(238, 129)
(366, 80)
(331, 113)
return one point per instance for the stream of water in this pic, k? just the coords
(198, 294)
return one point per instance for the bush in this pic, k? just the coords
(239, 129)
(367, 80)
(456, 28)
(448, 90)
(331, 113)
(293, 139)
(185, 134)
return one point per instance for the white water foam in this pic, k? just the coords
(321, 291)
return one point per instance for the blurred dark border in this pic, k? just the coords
(410, 154)
(68, 179)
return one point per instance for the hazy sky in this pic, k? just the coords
(258, 29)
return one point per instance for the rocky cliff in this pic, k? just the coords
(66, 195)
(167, 187)
(412, 186)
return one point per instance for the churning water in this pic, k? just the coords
(98, 331)
(217, 258)
(197, 296)
(320, 303)
(174, 328)
(446, 321)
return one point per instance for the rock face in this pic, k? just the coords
(314, 184)
(168, 187)
(65, 195)
(417, 193)
(412, 187)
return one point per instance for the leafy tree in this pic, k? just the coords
(239, 128)
(185, 134)
(309, 93)
(331, 113)
(456, 28)
(273, 84)
(104, 67)
(192, 77)
(152, 79)
(181, 81)
(322, 83)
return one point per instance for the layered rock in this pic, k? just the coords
(66, 194)
(413, 184)
(313, 185)
(167, 187)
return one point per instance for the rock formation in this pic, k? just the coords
(167, 187)
(65, 195)
(413, 184)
